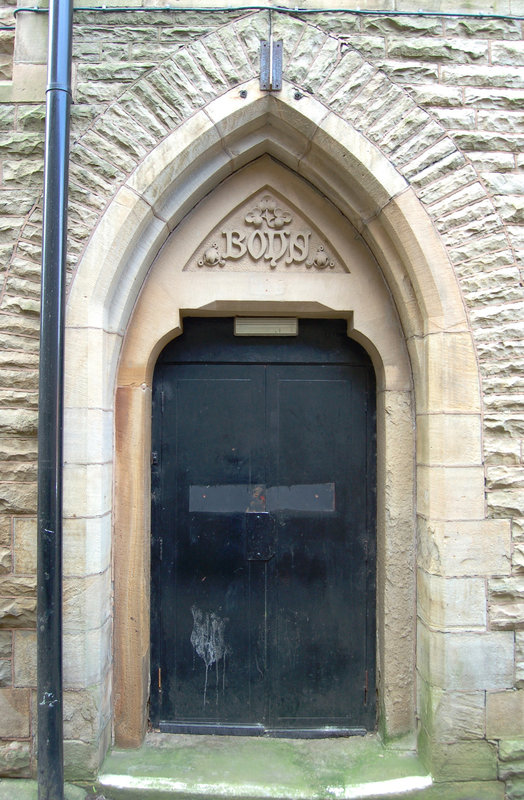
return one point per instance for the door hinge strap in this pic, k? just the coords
(160, 678)
(271, 65)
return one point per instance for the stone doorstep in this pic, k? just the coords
(243, 768)
(22, 789)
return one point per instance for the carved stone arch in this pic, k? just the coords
(114, 389)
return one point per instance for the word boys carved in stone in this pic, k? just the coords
(265, 236)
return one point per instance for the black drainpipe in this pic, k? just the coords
(50, 414)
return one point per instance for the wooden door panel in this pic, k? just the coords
(263, 536)
(318, 437)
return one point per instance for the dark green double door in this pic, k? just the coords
(263, 532)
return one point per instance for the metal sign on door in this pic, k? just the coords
(263, 542)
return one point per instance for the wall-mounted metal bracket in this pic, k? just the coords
(271, 65)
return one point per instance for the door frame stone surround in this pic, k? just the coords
(428, 376)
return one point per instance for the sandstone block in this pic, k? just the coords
(145, 94)
(26, 326)
(443, 160)
(420, 142)
(409, 71)
(16, 201)
(24, 173)
(502, 122)
(17, 612)
(86, 712)
(474, 219)
(15, 759)
(339, 25)
(163, 85)
(18, 498)
(6, 638)
(459, 199)
(515, 789)
(112, 71)
(235, 51)
(483, 28)
(109, 151)
(453, 493)
(139, 111)
(25, 545)
(5, 559)
(187, 70)
(17, 585)
(393, 111)
(81, 760)
(505, 714)
(87, 490)
(125, 33)
(511, 208)
(87, 602)
(509, 53)
(455, 118)
(505, 502)
(505, 478)
(448, 439)
(511, 750)
(370, 47)
(88, 657)
(14, 713)
(20, 306)
(464, 761)
(24, 662)
(493, 162)
(87, 545)
(91, 93)
(484, 76)
(375, 102)
(22, 143)
(438, 50)
(6, 674)
(327, 56)
(518, 556)
(12, 448)
(507, 616)
(448, 603)
(406, 26)
(485, 140)
(453, 716)
(466, 661)
(340, 97)
(501, 450)
(436, 96)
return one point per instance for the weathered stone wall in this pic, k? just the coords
(452, 121)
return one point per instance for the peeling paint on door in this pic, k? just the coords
(208, 641)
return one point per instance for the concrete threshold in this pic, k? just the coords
(243, 768)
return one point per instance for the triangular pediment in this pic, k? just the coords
(265, 233)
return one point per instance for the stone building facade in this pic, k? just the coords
(398, 137)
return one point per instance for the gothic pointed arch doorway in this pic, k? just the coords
(188, 280)
(130, 297)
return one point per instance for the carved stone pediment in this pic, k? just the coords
(263, 234)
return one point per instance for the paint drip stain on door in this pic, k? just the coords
(208, 641)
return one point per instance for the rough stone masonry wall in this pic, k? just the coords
(468, 75)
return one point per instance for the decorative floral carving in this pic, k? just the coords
(268, 210)
(321, 260)
(211, 257)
